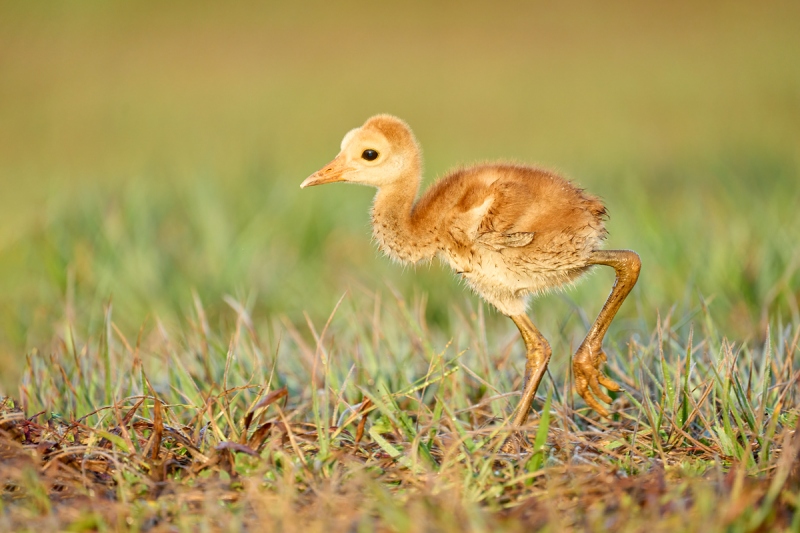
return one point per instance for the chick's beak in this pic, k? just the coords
(330, 173)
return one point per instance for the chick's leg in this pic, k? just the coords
(538, 355)
(590, 357)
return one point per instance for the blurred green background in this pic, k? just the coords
(149, 150)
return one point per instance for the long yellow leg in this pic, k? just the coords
(590, 356)
(538, 355)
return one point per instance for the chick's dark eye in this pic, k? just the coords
(369, 155)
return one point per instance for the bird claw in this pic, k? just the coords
(515, 444)
(588, 378)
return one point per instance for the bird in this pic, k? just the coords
(510, 231)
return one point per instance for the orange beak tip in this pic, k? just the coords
(321, 178)
(313, 179)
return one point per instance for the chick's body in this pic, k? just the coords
(509, 230)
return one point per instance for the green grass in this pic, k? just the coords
(364, 420)
(189, 342)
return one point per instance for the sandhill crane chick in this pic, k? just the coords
(511, 231)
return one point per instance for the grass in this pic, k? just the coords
(191, 343)
(364, 421)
